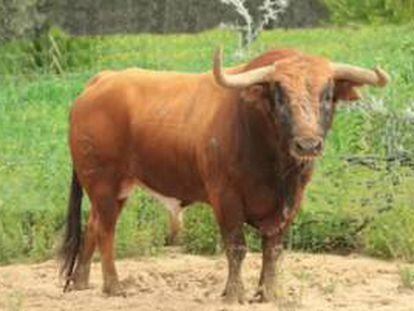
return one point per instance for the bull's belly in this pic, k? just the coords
(170, 176)
(166, 167)
(173, 201)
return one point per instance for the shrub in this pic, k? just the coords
(142, 229)
(391, 235)
(201, 234)
(371, 11)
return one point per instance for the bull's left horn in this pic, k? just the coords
(375, 77)
(239, 80)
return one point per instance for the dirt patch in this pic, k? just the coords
(175, 281)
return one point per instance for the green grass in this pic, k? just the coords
(35, 165)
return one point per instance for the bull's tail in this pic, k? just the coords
(71, 245)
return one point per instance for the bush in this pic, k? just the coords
(54, 52)
(201, 234)
(391, 235)
(142, 229)
(371, 11)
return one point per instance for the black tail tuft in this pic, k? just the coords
(73, 236)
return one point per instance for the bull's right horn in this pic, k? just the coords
(375, 77)
(240, 80)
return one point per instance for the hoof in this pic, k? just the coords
(80, 284)
(114, 290)
(233, 294)
(79, 280)
(75, 285)
(264, 294)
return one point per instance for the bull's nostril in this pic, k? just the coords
(318, 146)
(299, 146)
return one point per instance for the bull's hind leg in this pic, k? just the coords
(106, 237)
(82, 271)
(107, 206)
(175, 213)
(228, 211)
(176, 223)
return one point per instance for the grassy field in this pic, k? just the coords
(348, 207)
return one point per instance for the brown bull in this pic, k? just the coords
(243, 140)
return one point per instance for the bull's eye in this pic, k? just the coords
(278, 95)
(327, 98)
(326, 107)
(280, 104)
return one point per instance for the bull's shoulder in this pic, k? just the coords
(105, 73)
(112, 75)
(104, 82)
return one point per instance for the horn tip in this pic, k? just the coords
(383, 77)
(217, 64)
(218, 53)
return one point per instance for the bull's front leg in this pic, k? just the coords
(272, 248)
(273, 228)
(228, 210)
(235, 251)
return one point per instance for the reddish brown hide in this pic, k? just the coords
(243, 140)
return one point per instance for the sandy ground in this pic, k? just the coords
(176, 281)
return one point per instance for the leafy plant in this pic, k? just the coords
(371, 11)
(201, 234)
(407, 277)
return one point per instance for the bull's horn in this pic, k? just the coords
(375, 77)
(239, 80)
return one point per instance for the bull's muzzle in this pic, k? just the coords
(305, 148)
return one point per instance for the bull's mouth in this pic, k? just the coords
(306, 149)
(305, 158)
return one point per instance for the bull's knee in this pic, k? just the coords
(236, 252)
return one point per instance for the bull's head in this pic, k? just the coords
(300, 92)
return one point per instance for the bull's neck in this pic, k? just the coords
(266, 142)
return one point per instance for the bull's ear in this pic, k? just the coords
(253, 93)
(346, 90)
